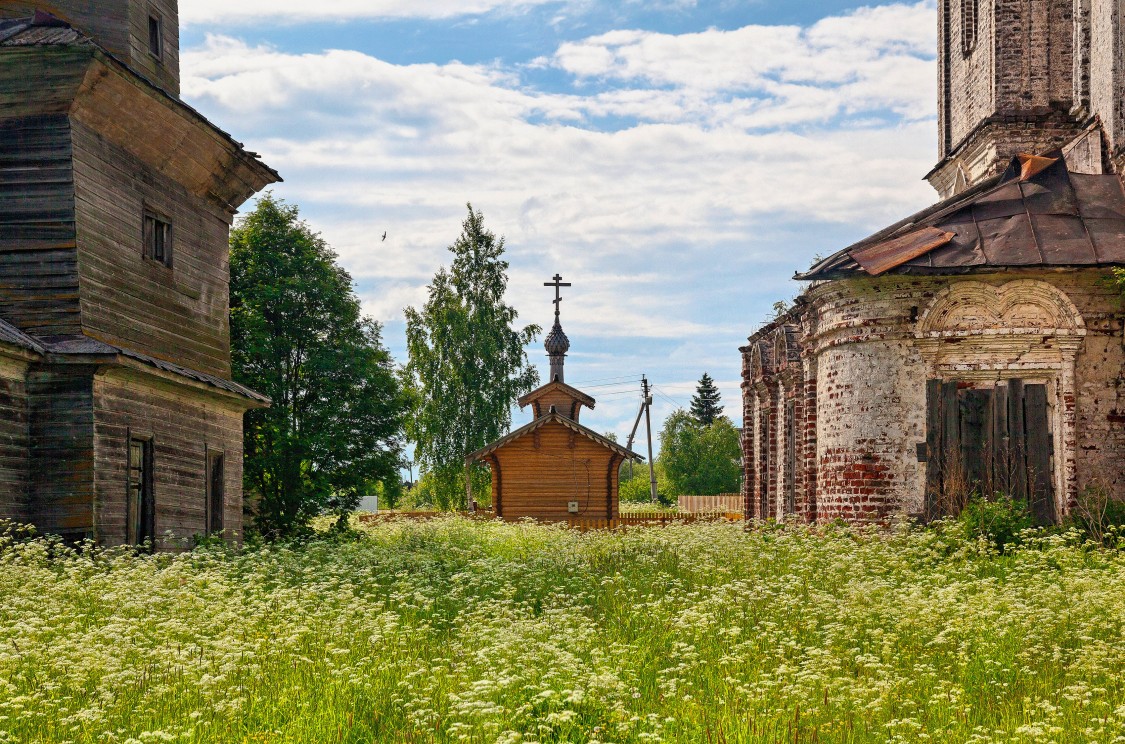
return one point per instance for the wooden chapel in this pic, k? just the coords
(554, 468)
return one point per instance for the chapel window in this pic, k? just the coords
(156, 37)
(158, 239)
(968, 25)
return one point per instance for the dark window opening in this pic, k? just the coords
(791, 457)
(158, 239)
(141, 510)
(155, 37)
(968, 25)
(216, 493)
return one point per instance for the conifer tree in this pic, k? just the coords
(705, 403)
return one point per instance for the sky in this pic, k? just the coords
(675, 160)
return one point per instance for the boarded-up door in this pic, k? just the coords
(988, 441)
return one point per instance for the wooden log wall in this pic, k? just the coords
(62, 456)
(38, 261)
(14, 440)
(178, 313)
(119, 26)
(184, 427)
(542, 471)
(565, 404)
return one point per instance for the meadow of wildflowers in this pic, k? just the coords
(456, 630)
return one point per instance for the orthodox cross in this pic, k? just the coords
(558, 284)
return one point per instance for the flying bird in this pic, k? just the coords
(384, 236)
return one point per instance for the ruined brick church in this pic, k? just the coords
(976, 346)
(119, 420)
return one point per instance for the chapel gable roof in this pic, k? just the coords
(553, 386)
(552, 416)
(1036, 213)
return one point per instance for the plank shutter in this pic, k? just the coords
(1039, 454)
(986, 442)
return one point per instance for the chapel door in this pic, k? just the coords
(988, 441)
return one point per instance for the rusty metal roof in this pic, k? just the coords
(558, 418)
(41, 29)
(1037, 213)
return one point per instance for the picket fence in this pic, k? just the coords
(722, 503)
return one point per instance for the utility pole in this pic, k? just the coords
(633, 435)
(648, 427)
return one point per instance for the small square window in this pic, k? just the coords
(155, 37)
(158, 239)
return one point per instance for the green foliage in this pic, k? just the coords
(298, 336)
(453, 630)
(700, 460)
(705, 403)
(999, 520)
(467, 361)
(638, 489)
(1098, 516)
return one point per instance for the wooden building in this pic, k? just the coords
(554, 468)
(120, 421)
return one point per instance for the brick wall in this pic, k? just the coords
(865, 372)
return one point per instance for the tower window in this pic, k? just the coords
(158, 239)
(155, 37)
(968, 25)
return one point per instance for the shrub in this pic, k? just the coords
(1000, 520)
(1097, 515)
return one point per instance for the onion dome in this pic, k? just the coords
(556, 343)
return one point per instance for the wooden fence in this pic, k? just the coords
(584, 524)
(722, 503)
(654, 519)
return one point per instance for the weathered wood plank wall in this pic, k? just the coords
(14, 440)
(62, 462)
(38, 264)
(179, 312)
(184, 428)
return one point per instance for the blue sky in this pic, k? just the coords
(677, 160)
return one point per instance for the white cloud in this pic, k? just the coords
(265, 12)
(667, 219)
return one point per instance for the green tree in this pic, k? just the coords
(699, 459)
(298, 335)
(467, 362)
(705, 403)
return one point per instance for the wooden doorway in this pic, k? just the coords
(988, 441)
(141, 507)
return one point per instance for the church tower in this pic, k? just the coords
(1013, 76)
(143, 34)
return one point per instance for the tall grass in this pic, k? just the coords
(455, 630)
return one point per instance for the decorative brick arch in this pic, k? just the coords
(981, 334)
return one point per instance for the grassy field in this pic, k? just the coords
(453, 630)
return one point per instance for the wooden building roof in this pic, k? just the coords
(551, 416)
(556, 386)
